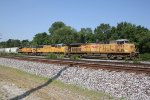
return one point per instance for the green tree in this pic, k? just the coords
(143, 42)
(3, 44)
(126, 30)
(13, 43)
(85, 35)
(102, 28)
(25, 43)
(55, 26)
(113, 34)
(102, 32)
(41, 39)
(64, 35)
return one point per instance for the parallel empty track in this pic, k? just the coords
(112, 66)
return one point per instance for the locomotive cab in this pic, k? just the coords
(126, 48)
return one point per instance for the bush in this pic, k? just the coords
(75, 57)
(60, 56)
(145, 56)
(52, 56)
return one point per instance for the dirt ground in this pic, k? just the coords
(15, 84)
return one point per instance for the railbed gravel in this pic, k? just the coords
(130, 86)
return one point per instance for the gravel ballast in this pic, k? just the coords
(118, 84)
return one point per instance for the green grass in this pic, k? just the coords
(60, 56)
(75, 57)
(88, 93)
(136, 61)
(93, 95)
(52, 56)
(3, 54)
(55, 56)
(10, 54)
(145, 56)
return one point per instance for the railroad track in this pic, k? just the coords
(112, 66)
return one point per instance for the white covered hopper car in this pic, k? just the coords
(9, 50)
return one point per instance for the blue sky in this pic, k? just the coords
(22, 19)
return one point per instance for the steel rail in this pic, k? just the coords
(128, 67)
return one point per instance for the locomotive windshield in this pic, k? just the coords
(122, 41)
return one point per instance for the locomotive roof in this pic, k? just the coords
(92, 43)
(122, 40)
(75, 44)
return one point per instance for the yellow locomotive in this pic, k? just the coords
(58, 49)
(119, 49)
(44, 49)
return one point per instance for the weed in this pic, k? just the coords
(52, 56)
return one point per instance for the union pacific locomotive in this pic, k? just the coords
(118, 49)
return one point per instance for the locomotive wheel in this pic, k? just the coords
(109, 56)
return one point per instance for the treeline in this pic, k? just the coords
(59, 32)
(15, 43)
